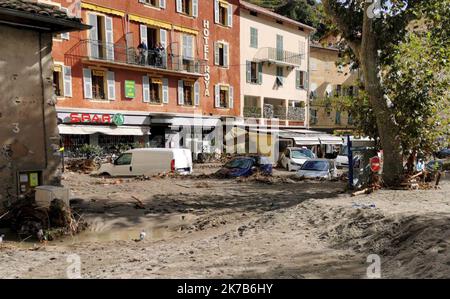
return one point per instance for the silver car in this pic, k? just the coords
(318, 168)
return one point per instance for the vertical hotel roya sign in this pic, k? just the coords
(207, 74)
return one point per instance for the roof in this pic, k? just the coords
(38, 16)
(272, 14)
(319, 46)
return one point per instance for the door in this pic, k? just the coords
(123, 165)
(280, 47)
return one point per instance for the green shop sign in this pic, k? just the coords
(130, 89)
(118, 119)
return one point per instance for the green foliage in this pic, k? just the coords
(90, 151)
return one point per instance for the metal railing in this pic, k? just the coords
(120, 53)
(253, 112)
(277, 55)
(282, 113)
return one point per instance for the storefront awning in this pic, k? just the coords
(107, 130)
(333, 140)
(184, 121)
(306, 141)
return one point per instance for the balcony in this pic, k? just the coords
(279, 57)
(119, 55)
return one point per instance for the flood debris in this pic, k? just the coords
(82, 165)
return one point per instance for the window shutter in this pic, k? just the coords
(196, 93)
(67, 78)
(143, 30)
(230, 15)
(179, 6)
(253, 37)
(297, 79)
(87, 80)
(165, 91)
(306, 78)
(93, 36)
(111, 86)
(163, 41)
(217, 95)
(65, 35)
(145, 89)
(216, 11)
(180, 92)
(109, 38)
(216, 53)
(195, 8)
(162, 3)
(231, 97)
(260, 67)
(225, 54)
(249, 71)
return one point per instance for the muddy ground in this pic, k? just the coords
(215, 228)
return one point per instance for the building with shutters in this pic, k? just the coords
(146, 68)
(274, 67)
(329, 82)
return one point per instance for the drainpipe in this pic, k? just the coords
(43, 102)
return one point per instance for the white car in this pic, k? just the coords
(149, 161)
(318, 168)
(294, 157)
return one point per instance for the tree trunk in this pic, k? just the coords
(388, 130)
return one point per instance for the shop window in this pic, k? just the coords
(124, 159)
(98, 85)
(114, 143)
(221, 54)
(73, 142)
(156, 91)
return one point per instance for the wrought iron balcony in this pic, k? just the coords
(279, 57)
(120, 54)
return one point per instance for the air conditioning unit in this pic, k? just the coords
(46, 194)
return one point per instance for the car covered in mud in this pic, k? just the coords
(318, 168)
(246, 166)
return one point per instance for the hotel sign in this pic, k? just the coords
(207, 74)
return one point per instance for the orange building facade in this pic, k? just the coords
(145, 68)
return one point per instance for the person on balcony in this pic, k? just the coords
(142, 53)
(159, 54)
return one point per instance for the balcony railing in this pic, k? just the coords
(282, 113)
(279, 57)
(121, 54)
(252, 112)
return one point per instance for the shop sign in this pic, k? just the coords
(130, 89)
(93, 118)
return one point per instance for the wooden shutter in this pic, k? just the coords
(230, 15)
(196, 93)
(111, 86)
(145, 89)
(249, 71)
(195, 8)
(143, 30)
(162, 3)
(216, 53)
(179, 6)
(231, 97)
(67, 79)
(87, 83)
(109, 32)
(93, 36)
(297, 79)
(217, 95)
(260, 71)
(165, 91)
(216, 11)
(180, 92)
(225, 54)
(163, 41)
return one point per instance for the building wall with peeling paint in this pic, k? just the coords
(29, 138)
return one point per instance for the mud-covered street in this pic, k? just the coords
(201, 227)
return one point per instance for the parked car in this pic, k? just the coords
(342, 158)
(443, 153)
(149, 161)
(318, 168)
(294, 157)
(246, 166)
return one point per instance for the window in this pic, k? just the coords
(187, 7)
(254, 72)
(253, 13)
(223, 13)
(279, 46)
(111, 142)
(154, 3)
(221, 54)
(280, 78)
(313, 116)
(99, 84)
(187, 52)
(188, 93)
(124, 159)
(156, 91)
(350, 119)
(338, 90)
(224, 96)
(58, 81)
(101, 37)
(338, 118)
(301, 79)
(253, 37)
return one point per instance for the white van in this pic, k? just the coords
(149, 161)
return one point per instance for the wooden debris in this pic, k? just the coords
(139, 203)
